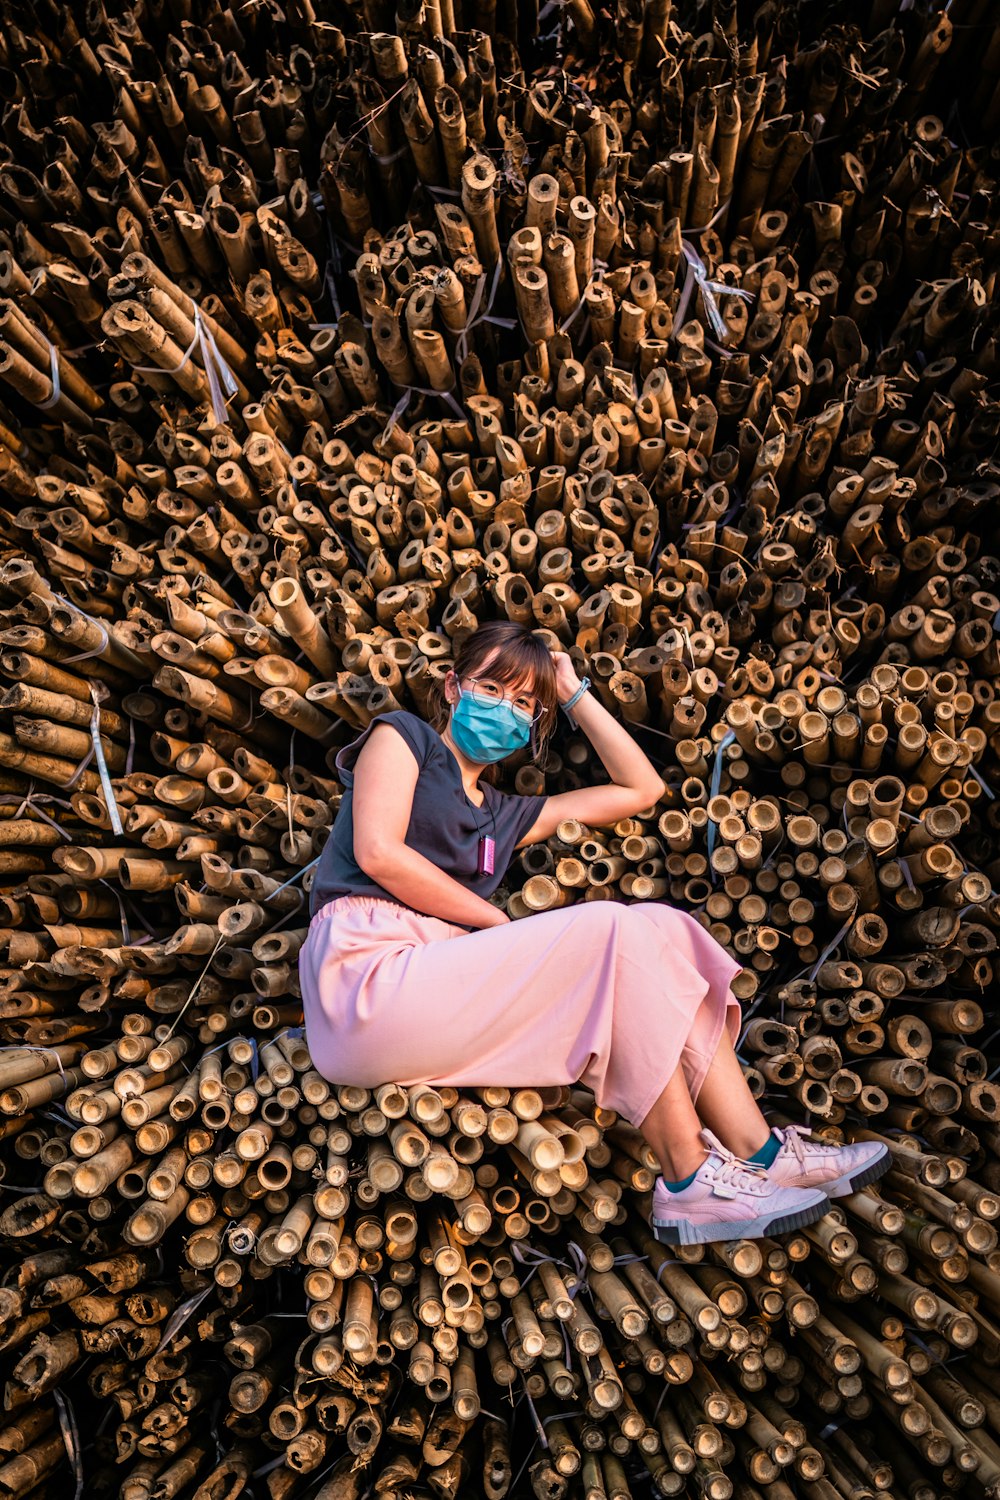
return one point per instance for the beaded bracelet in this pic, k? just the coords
(584, 685)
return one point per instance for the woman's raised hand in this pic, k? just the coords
(567, 680)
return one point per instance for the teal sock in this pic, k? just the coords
(765, 1156)
(676, 1187)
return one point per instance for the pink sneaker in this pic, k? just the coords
(804, 1162)
(730, 1200)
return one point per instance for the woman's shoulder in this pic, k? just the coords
(404, 719)
(417, 733)
(422, 737)
(408, 715)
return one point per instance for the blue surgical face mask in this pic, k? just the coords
(487, 731)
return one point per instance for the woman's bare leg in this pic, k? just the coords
(725, 1105)
(673, 1129)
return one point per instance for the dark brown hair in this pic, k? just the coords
(522, 657)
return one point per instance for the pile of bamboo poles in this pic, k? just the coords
(670, 334)
(659, 1356)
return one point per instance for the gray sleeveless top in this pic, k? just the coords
(444, 825)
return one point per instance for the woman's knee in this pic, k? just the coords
(620, 922)
(591, 916)
(669, 922)
(642, 915)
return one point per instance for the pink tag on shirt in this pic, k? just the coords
(487, 852)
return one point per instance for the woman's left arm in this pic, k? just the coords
(635, 782)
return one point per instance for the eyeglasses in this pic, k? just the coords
(524, 706)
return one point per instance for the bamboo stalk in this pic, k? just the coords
(701, 388)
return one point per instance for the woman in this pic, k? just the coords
(409, 973)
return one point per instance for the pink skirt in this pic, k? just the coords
(610, 995)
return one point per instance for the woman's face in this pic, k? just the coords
(520, 694)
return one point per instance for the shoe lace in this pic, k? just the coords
(797, 1137)
(747, 1176)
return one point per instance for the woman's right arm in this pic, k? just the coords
(385, 775)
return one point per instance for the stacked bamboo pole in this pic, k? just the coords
(320, 343)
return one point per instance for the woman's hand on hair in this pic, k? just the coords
(567, 680)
